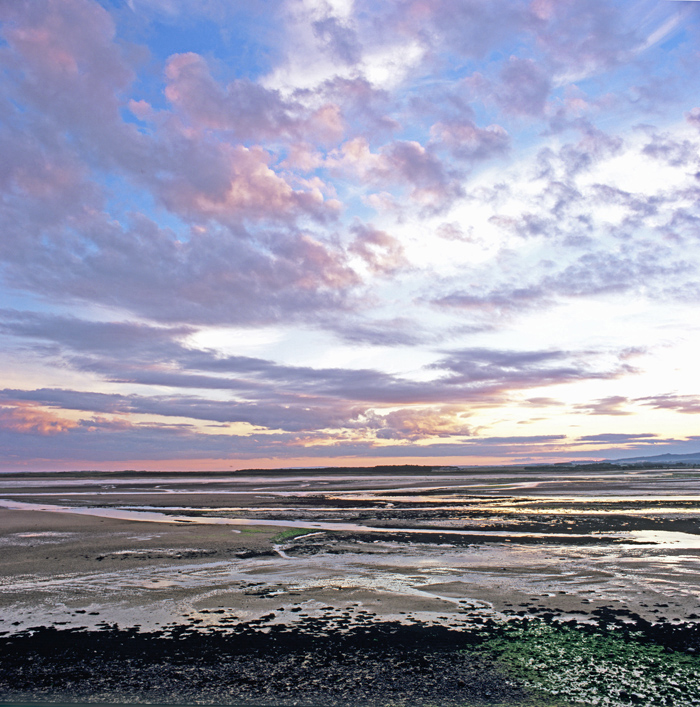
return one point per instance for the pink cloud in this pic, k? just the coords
(142, 110)
(423, 423)
(326, 124)
(225, 180)
(27, 418)
(384, 201)
(381, 252)
(363, 107)
(249, 110)
(317, 265)
(72, 68)
(239, 183)
(357, 156)
(49, 178)
(399, 163)
(304, 157)
(73, 74)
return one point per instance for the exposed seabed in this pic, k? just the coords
(260, 589)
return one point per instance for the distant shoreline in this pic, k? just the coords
(641, 464)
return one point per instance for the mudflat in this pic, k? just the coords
(308, 569)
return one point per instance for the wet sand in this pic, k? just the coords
(439, 552)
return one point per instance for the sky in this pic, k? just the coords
(288, 233)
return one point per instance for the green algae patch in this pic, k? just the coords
(292, 533)
(581, 665)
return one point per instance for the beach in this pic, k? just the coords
(313, 568)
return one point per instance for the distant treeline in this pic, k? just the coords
(395, 470)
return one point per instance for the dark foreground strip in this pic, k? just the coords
(373, 665)
(376, 664)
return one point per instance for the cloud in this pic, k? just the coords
(466, 141)
(693, 117)
(248, 110)
(272, 396)
(524, 88)
(65, 122)
(313, 415)
(582, 37)
(598, 273)
(415, 424)
(102, 440)
(470, 28)
(341, 41)
(541, 401)
(364, 107)
(676, 153)
(452, 231)
(234, 203)
(397, 331)
(382, 253)
(497, 301)
(69, 47)
(117, 444)
(620, 438)
(688, 404)
(611, 405)
(590, 274)
(573, 159)
(106, 338)
(498, 371)
(231, 183)
(583, 220)
(243, 110)
(217, 276)
(401, 162)
(24, 418)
